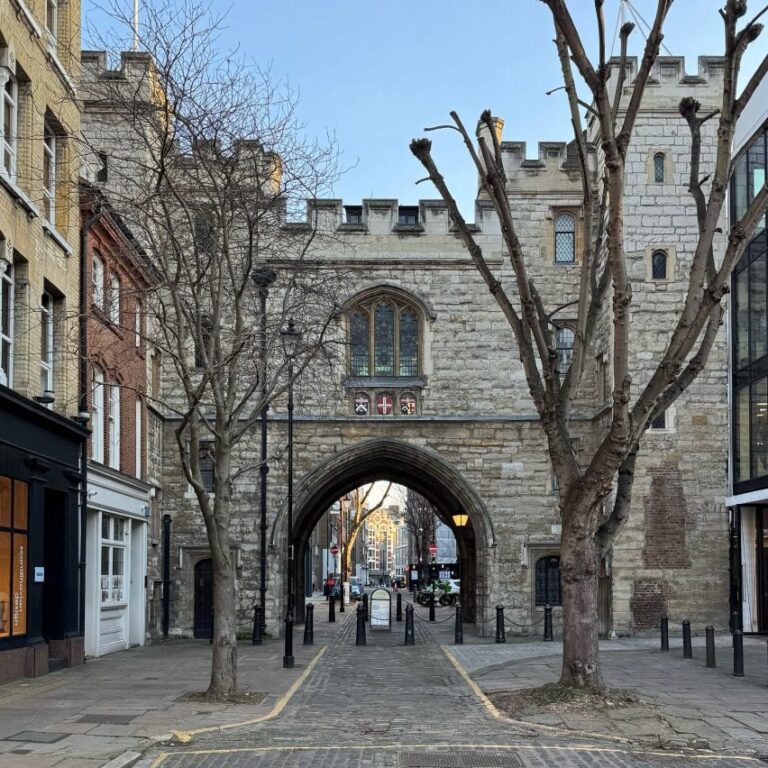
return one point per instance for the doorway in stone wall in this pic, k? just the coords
(203, 626)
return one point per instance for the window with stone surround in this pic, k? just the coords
(10, 119)
(97, 405)
(97, 281)
(659, 265)
(564, 345)
(547, 575)
(49, 172)
(565, 238)
(46, 342)
(659, 167)
(384, 336)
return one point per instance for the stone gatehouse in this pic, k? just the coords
(431, 393)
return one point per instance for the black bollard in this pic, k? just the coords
(399, 610)
(664, 633)
(331, 609)
(710, 634)
(360, 636)
(409, 634)
(432, 605)
(738, 653)
(210, 640)
(341, 599)
(687, 650)
(365, 605)
(256, 639)
(501, 635)
(458, 633)
(309, 625)
(288, 658)
(734, 624)
(548, 634)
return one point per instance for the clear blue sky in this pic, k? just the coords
(375, 73)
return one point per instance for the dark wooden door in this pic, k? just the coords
(204, 598)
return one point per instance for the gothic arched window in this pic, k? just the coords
(548, 581)
(384, 336)
(565, 238)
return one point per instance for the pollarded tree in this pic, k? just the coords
(362, 509)
(607, 475)
(204, 160)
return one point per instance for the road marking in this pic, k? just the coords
(495, 746)
(184, 737)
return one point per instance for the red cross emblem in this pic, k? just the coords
(384, 405)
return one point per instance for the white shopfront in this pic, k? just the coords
(116, 561)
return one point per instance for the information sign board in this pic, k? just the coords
(381, 609)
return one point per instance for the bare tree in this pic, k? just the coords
(608, 474)
(420, 520)
(207, 161)
(361, 511)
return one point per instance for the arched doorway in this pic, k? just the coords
(418, 468)
(203, 626)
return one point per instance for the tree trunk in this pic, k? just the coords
(224, 658)
(578, 573)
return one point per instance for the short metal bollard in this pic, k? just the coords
(365, 605)
(213, 624)
(432, 605)
(501, 635)
(734, 624)
(687, 649)
(360, 636)
(665, 633)
(458, 632)
(548, 634)
(399, 609)
(256, 639)
(710, 633)
(409, 634)
(309, 625)
(738, 653)
(331, 609)
(341, 600)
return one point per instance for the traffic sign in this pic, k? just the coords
(334, 550)
(433, 549)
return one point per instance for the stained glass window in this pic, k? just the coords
(565, 239)
(658, 167)
(409, 344)
(548, 581)
(384, 340)
(358, 337)
(659, 265)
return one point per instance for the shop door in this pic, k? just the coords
(204, 598)
(762, 569)
(54, 586)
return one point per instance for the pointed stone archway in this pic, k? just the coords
(413, 466)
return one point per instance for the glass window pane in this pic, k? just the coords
(5, 502)
(106, 527)
(409, 344)
(384, 340)
(564, 343)
(659, 265)
(739, 188)
(19, 505)
(5, 584)
(742, 319)
(760, 428)
(758, 307)
(756, 160)
(359, 339)
(741, 458)
(5, 307)
(19, 606)
(658, 167)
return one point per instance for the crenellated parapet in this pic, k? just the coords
(134, 80)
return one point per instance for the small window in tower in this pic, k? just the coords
(565, 239)
(658, 167)
(659, 265)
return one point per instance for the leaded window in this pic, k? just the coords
(207, 467)
(658, 167)
(565, 238)
(548, 581)
(564, 343)
(659, 265)
(384, 338)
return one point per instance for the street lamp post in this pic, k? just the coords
(290, 336)
(263, 279)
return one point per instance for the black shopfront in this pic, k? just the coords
(749, 401)
(40, 545)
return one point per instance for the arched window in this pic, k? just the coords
(548, 581)
(659, 265)
(564, 344)
(384, 338)
(658, 167)
(565, 239)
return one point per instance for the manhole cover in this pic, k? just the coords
(108, 719)
(477, 759)
(37, 737)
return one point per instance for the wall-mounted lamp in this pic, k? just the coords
(460, 519)
(46, 398)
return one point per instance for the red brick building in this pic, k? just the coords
(114, 280)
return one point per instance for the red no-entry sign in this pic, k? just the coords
(334, 550)
(433, 549)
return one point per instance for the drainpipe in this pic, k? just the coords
(166, 574)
